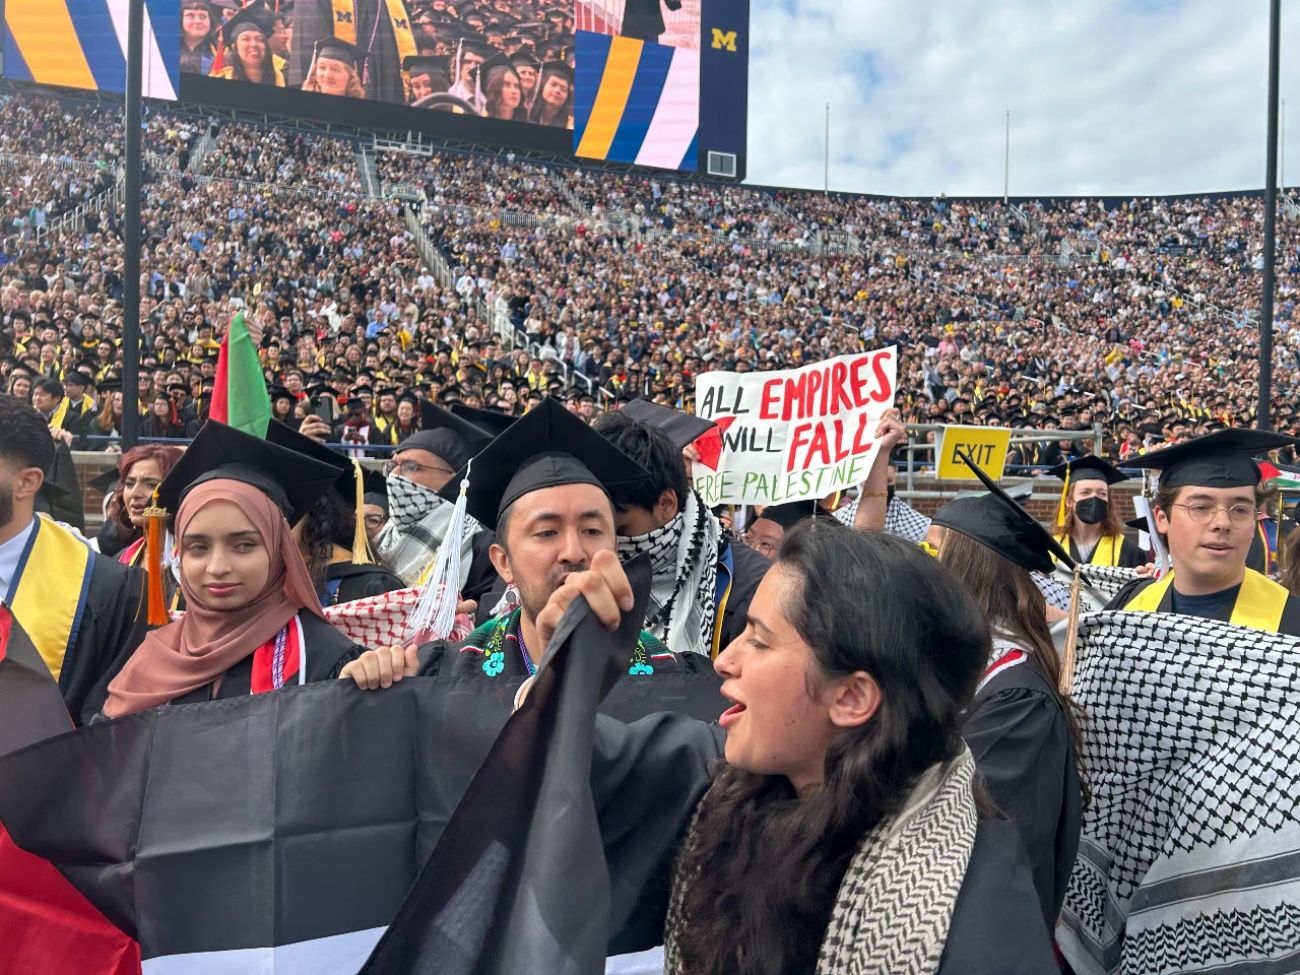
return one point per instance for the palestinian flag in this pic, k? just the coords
(239, 398)
(31, 707)
(274, 833)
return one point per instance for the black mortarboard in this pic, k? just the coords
(278, 392)
(292, 480)
(1139, 524)
(493, 422)
(496, 65)
(1090, 468)
(436, 66)
(446, 435)
(997, 522)
(250, 18)
(559, 68)
(546, 447)
(105, 482)
(681, 428)
(525, 56)
(337, 50)
(792, 512)
(1222, 459)
(80, 377)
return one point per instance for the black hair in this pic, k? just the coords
(24, 435)
(328, 522)
(761, 852)
(49, 385)
(653, 450)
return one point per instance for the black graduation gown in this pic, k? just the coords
(328, 651)
(1020, 738)
(1290, 625)
(112, 626)
(647, 778)
(314, 19)
(356, 581)
(645, 18)
(1130, 555)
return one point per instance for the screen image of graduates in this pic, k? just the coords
(504, 59)
(673, 23)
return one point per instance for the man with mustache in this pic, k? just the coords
(546, 484)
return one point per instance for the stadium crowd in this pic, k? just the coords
(1133, 314)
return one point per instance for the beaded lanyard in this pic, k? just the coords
(277, 659)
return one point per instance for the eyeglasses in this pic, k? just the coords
(765, 547)
(1201, 512)
(375, 521)
(410, 467)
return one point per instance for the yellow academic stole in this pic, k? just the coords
(1259, 603)
(54, 573)
(345, 26)
(1106, 552)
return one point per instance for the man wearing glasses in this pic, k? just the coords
(417, 517)
(1206, 507)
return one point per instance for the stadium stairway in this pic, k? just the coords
(369, 174)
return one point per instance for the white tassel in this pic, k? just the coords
(434, 613)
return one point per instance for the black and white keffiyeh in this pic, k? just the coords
(1190, 855)
(417, 523)
(683, 556)
(893, 907)
(901, 519)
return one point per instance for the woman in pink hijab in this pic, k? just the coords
(253, 621)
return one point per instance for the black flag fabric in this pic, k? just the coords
(31, 707)
(518, 882)
(278, 832)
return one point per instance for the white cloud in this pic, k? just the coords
(1105, 97)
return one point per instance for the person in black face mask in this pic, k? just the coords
(1088, 526)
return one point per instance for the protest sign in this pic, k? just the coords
(987, 446)
(794, 434)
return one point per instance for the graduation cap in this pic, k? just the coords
(276, 392)
(997, 522)
(1217, 460)
(250, 18)
(493, 422)
(291, 479)
(446, 435)
(436, 66)
(546, 447)
(349, 481)
(79, 378)
(334, 49)
(525, 57)
(559, 69)
(792, 512)
(494, 67)
(682, 428)
(106, 482)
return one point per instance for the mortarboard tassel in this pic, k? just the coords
(361, 554)
(154, 539)
(1065, 493)
(1071, 633)
(434, 614)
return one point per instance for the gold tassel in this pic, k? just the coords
(361, 554)
(155, 537)
(1060, 506)
(1071, 633)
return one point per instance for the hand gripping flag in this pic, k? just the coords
(519, 880)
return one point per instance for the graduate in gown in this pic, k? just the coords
(253, 621)
(1020, 728)
(545, 483)
(843, 756)
(1088, 525)
(82, 610)
(1207, 509)
(140, 471)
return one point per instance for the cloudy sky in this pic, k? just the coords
(1146, 96)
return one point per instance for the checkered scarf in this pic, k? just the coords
(1190, 853)
(893, 908)
(417, 523)
(901, 518)
(683, 558)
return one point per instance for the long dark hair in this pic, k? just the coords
(328, 522)
(1011, 602)
(164, 455)
(766, 865)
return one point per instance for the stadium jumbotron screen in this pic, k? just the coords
(659, 83)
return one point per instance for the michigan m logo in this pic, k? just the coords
(724, 40)
(343, 16)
